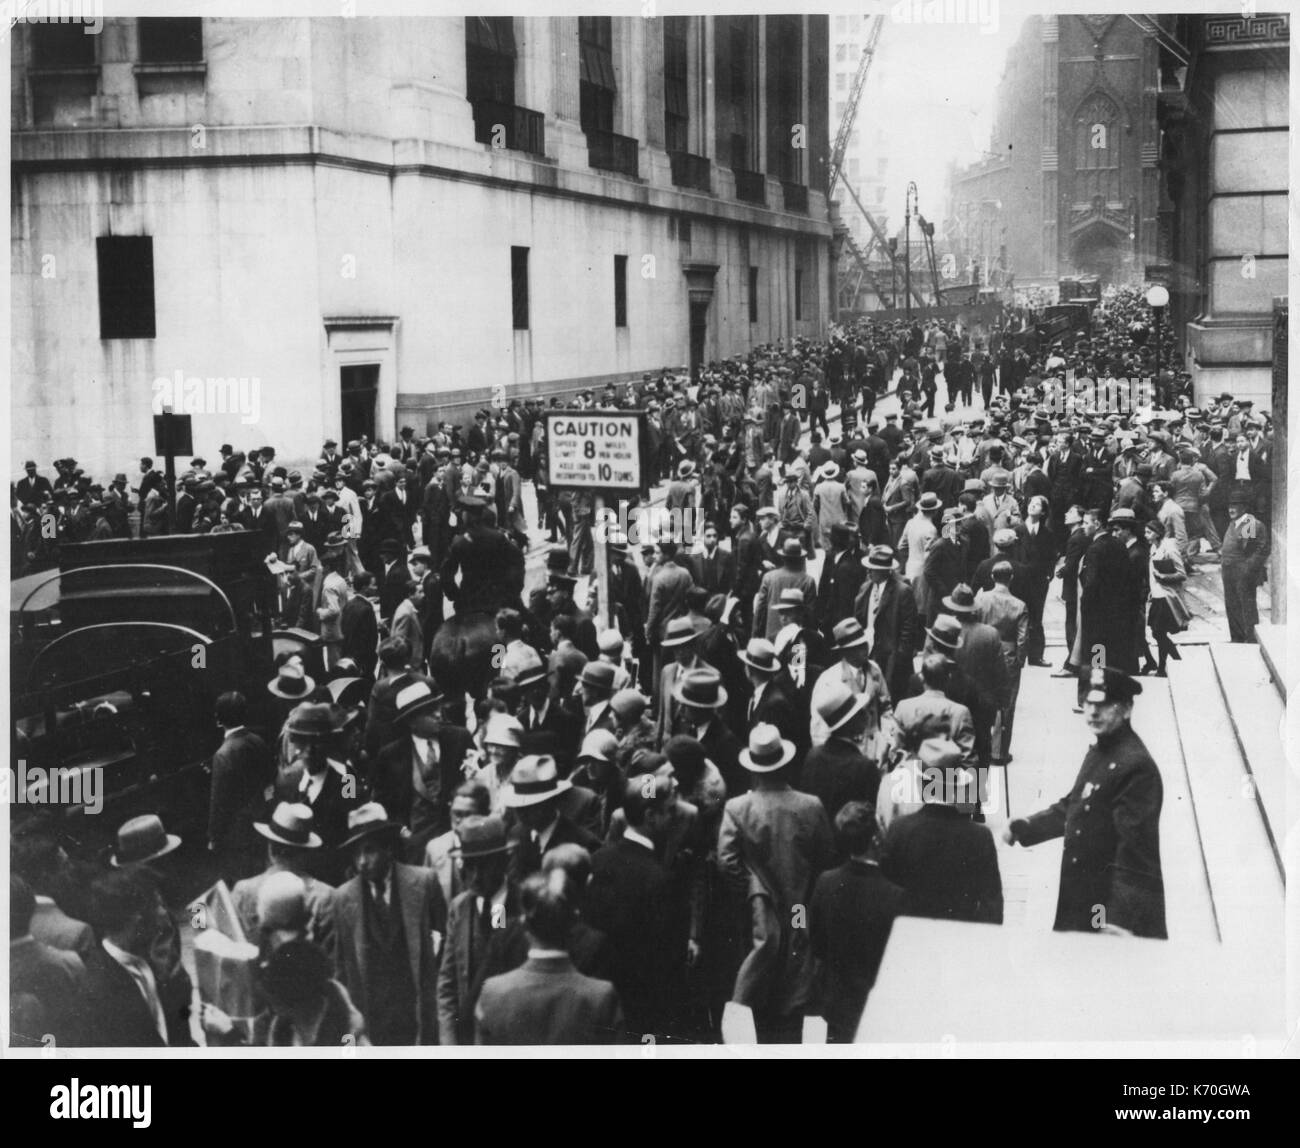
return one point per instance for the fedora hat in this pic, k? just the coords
(767, 750)
(841, 536)
(792, 549)
(534, 779)
(598, 675)
(849, 634)
(290, 824)
(142, 839)
(533, 669)
(481, 837)
(557, 560)
(879, 558)
(929, 501)
(1123, 517)
(791, 599)
(685, 469)
(311, 721)
(366, 821)
(678, 632)
(391, 546)
(347, 692)
(701, 688)
(292, 682)
(415, 698)
(860, 456)
(827, 471)
(946, 632)
(760, 654)
(840, 705)
(503, 729)
(973, 486)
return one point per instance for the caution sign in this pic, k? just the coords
(594, 450)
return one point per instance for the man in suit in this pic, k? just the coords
(546, 1000)
(327, 787)
(850, 919)
(276, 514)
(886, 607)
(397, 512)
(290, 845)
(1009, 616)
(980, 658)
(359, 626)
(700, 698)
(130, 998)
(415, 776)
(841, 580)
(241, 768)
(544, 715)
(485, 908)
(1111, 880)
(595, 688)
(946, 863)
(773, 844)
(390, 920)
(534, 793)
(630, 900)
(1038, 551)
(838, 771)
(1105, 619)
(394, 577)
(714, 569)
(932, 713)
(775, 698)
(405, 623)
(769, 539)
(44, 982)
(666, 588)
(1082, 530)
(33, 488)
(40, 860)
(791, 575)
(316, 524)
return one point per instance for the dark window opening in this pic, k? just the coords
(126, 302)
(753, 294)
(676, 109)
(620, 290)
(784, 86)
(490, 59)
(171, 40)
(684, 229)
(62, 46)
(798, 294)
(597, 88)
(519, 286)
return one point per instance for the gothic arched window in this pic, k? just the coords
(1097, 130)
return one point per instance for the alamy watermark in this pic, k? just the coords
(88, 13)
(59, 785)
(647, 525)
(208, 396)
(982, 13)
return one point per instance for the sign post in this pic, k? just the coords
(599, 452)
(172, 434)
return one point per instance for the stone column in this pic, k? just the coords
(704, 93)
(759, 73)
(565, 141)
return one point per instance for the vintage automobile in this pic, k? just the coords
(116, 660)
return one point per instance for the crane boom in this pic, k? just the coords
(881, 238)
(851, 108)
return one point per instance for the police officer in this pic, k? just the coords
(1110, 870)
(491, 567)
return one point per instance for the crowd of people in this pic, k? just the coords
(720, 788)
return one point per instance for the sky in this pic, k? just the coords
(931, 91)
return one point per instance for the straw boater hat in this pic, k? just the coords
(879, 558)
(290, 824)
(503, 729)
(678, 632)
(849, 634)
(791, 599)
(532, 670)
(827, 471)
(534, 779)
(414, 699)
(929, 501)
(142, 839)
(768, 751)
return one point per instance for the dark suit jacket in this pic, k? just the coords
(838, 588)
(392, 587)
(465, 964)
(114, 1015)
(393, 785)
(852, 913)
(947, 864)
(527, 858)
(779, 706)
(980, 658)
(360, 634)
(838, 773)
(423, 913)
(629, 899)
(241, 770)
(717, 574)
(48, 983)
(547, 1001)
(894, 641)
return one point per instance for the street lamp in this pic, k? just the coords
(908, 207)
(1157, 300)
(893, 269)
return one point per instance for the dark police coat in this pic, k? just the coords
(1110, 820)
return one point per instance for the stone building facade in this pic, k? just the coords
(393, 221)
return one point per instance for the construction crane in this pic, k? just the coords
(851, 108)
(883, 240)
